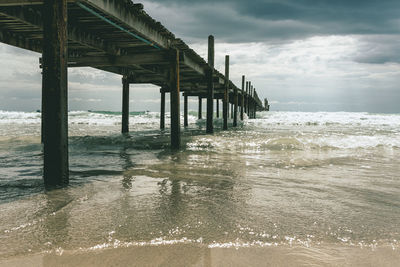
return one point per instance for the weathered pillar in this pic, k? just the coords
(242, 98)
(42, 112)
(162, 109)
(55, 93)
(210, 85)
(235, 108)
(251, 102)
(200, 108)
(125, 104)
(255, 105)
(246, 97)
(227, 110)
(225, 101)
(185, 111)
(232, 110)
(174, 95)
(217, 100)
(248, 101)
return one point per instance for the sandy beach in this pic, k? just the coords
(192, 255)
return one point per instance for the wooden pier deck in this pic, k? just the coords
(116, 36)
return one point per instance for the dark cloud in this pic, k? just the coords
(378, 49)
(266, 20)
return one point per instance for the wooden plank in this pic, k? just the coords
(210, 85)
(55, 93)
(174, 95)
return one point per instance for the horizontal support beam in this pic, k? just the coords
(20, 2)
(19, 41)
(121, 14)
(27, 16)
(193, 65)
(156, 58)
(25, 2)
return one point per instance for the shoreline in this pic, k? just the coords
(202, 255)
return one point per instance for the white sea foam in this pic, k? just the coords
(85, 117)
(328, 118)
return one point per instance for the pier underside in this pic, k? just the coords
(118, 37)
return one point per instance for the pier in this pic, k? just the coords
(117, 36)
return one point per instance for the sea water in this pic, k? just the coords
(283, 179)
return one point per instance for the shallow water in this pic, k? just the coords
(283, 179)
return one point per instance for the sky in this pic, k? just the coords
(303, 55)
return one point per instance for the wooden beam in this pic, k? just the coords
(185, 111)
(187, 61)
(20, 41)
(156, 58)
(125, 105)
(210, 85)
(55, 93)
(118, 11)
(31, 18)
(217, 108)
(162, 109)
(242, 98)
(25, 2)
(248, 99)
(200, 112)
(225, 101)
(235, 106)
(174, 95)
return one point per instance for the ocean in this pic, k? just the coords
(318, 188)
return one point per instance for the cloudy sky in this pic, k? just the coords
(306, 55)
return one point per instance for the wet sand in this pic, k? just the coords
(197, 255)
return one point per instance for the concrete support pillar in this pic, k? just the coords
(175, 99)
(162, 109)
(210, 85)
(252, 102)
(242, 98)
(200, 113)
(248, 100)
(217, 101)
(225, 101)
(235, 107)
(245, 97)
(55, 93)
(125, 105)
(185, 111)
